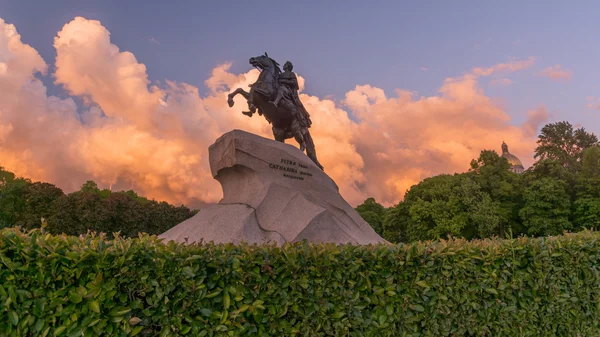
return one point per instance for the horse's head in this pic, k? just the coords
(264, 62)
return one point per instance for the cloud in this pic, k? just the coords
(154, 137)
(154, 40)
(424, 68)
(508, 67)
(593, 103)
(556, 73)
(535, 118)
(501, 81)
(403, 140)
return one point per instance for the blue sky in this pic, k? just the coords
(337, 45)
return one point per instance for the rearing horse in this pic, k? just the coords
(286, 116)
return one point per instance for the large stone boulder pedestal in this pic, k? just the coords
(274, 193)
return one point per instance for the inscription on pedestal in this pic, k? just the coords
(291, 169)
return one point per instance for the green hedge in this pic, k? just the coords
(90, 286)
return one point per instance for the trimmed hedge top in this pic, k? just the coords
(91, 286)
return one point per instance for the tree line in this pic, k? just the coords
(35, 204)
(559, 192)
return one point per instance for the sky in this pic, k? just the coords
(131, 93)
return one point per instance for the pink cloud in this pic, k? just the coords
(154, 138)
(508, 67)
(535, 118)
(593, 103)
(501, 81)
(556, 73)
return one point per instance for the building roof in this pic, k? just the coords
(512, 159)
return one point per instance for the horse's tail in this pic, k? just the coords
(311, 151)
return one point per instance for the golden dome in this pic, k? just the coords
(515, 163)
(512, 159)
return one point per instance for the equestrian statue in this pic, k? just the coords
(275, 96)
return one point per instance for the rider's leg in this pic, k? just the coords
(278, 134)
(278, 97)
(298, 134)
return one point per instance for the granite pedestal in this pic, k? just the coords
(274, 193)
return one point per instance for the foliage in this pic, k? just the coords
(446, 205)
(24, 203)
(373, 213)
(12, 203)
(586, 208)
(37, 198)
(88, 286)
(547, 207)
(491, 172)
(587, 199)
(396, 223)
(591, 162)
(549, 168)
(560, 142)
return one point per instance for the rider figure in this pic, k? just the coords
(289, 87)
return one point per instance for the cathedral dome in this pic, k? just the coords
(515, 163)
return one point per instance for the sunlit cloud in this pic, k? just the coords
(507, 67)
(501, 82)
(154, 138)
(593, 103)
(557, 73)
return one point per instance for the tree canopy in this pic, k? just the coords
(560, 142)
(27, 204)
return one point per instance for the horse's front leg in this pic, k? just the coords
(235, 93)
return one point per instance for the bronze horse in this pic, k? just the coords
(287, 118)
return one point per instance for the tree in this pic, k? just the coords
(490, 162)
(586, 207)
(12, 201)
(590, 167)
(560, 142)
(549, 168)
(444, 205)
(5, 176)
(23, 203)
(396, 222)
(547, 207)
(38, 198)
(90, 186)
(491, 172)
(122, 213)
(75, 214)
(373, 219)
(373, 213)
